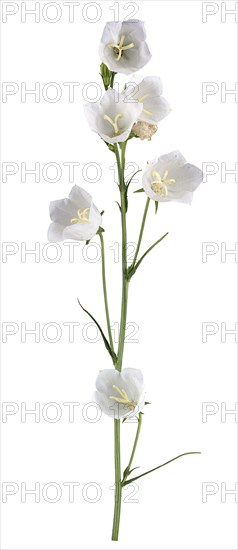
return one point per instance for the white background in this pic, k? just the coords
(172, 294)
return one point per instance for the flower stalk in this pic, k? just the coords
(105, 291)
(118, 485)
(124, 302)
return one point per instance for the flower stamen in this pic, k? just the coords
(114, 123)
(82, 216)
(159, 185)
(140, 100)
(119, 48)
(124, 399)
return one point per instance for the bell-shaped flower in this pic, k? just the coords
(75, 218)
(111, 117)
(123, 47)
(171, 178)
(120, 394)
(148, 91)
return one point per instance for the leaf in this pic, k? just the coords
(161, 466)
(139, 190)
(119, 205)
(131, 178)
(127, 472)
(107, 345)
(132, 271)
(156, 206)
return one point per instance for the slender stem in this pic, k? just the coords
(118, 486)
(124, 301)
(141, 232)
(105, 291)
(127, 470)
(118, 366)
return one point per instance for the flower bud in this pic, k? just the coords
(106, 75)
(144, 130)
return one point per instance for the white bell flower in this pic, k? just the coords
(171, 178)
(123, 47)
(111, 117)
(148, 91)
(120, 394)
(75, 218)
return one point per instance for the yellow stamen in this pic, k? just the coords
(140, 100)
(149, 113)
(159, 185)
(82, 216)
(114, 123)
(120, 48)
(124, 399)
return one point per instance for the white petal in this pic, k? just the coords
(172, 160)
(134, 385)
(117, 139)
(155, 107)
(133, 376)
(187, 178)
(190, 177)
(62, 211)
(83, 231)
(133, 58)
(55, 232)
(112, 408)
(106, 379)
(131, 380)
(135, 29)
(111, 105)
(91, 111)
(80, 197)
(158, 107)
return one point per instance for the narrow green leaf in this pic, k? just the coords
(118, 205)
(161, 466)
(156, 206)
(139, 190)
(147, 251)
(127, 472)
(130, 180)
(106, 343)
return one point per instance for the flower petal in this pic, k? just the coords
(62, 211)
(84, 231)
(55, 232)
(131, 59)
(129, 380)
(187, 178)
(80, 197)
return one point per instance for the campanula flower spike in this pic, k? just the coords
(134, 112)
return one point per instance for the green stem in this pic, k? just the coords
(141, 232)
(124, 301)
(128, 468)
(105, 291)
(118, 486)
(118, 366)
